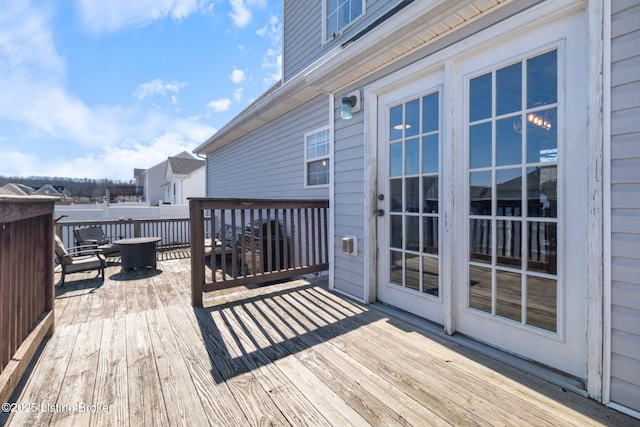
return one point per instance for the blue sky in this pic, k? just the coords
(96, 88)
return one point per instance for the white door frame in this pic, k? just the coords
(545, 12)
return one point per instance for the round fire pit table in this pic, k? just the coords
(138, 252)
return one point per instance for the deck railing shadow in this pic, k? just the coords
(242, 336)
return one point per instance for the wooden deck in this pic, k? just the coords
(132, 351)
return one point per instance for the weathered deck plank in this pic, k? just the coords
(286, 354)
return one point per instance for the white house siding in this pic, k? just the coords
(302, 33)
(625, 203)
(269, 162)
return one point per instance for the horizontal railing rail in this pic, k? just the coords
(174, 232)
(255, 241)
(26, 284)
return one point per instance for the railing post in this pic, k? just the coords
(196, 227)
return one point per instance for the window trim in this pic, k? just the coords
(326, 157)
(328, 38)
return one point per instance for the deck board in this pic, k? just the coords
(286, 354)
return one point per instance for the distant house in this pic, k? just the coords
(485, 154)
(184, 178)
(165, 183)
(45, 190)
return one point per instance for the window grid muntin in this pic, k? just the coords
(524, 218)
(422, 254)
(317, 148)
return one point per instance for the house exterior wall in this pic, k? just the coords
(154, 178)
(269, 162)
(625, 204)
(303, 40)
(193, 185)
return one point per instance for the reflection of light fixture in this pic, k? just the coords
(350, 104)
(324, 163)
(538, 121)
(402, 126)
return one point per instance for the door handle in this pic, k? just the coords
(379, 212)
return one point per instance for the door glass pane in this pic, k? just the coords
(509, 141)
(480, 193)
(542, 192)
(396, 123)
(430, 194)
(412, 118)
(542, 136)
(509, 295)
(430, 155)
(412, 157)
(480, 98)
(430, 113)
(480, 288)
(395, 159)
(412, 271)
(413, 233)
(509, 89)
(480, 146)
(542, 249)
(395, 267)
(542, 303)
(542, 80)
(396, 231)
(430, 234)
(516, 155)
(412, 195)
(430, 280)
(509, 192)
(395, 196)
(480, 240)
(509, 243)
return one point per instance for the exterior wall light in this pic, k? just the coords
(350, 104)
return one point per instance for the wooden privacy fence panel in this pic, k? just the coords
(173, 231)
(26, 283)
(255, 241)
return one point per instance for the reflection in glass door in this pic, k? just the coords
(414, 152)
(513, 183)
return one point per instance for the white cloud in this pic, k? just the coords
(158, 86)
(237, 76)
(241, 14)
(104, 16)
(272, 62)
(237, 94)
(219, 105)
(272, 31)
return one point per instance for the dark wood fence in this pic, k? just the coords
(173, 231)
(26, 283)
(241, 242)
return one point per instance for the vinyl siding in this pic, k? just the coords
(302, 32)
(349, 202)
(269, 162)
(625, 204)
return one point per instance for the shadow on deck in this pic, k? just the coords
(132, 351)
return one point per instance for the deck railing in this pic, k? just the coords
(174, 232)
(255, 241)
(26, 283)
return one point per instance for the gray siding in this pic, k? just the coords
(349, 202)
(302, 32)
(625, 203)
(269, 162)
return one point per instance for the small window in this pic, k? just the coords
(316, 157)
(340, 13)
